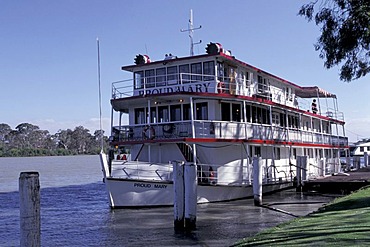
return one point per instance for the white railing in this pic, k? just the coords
(226, 174)
(222, 130)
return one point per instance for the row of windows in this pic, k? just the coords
(172, 113)
(173, 75)
(229, 112)
(256, 151)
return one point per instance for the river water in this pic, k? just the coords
(75, 210)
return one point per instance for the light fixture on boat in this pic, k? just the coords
(169, 56)
(142, 59)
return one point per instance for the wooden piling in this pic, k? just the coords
(366, 159)
(299, 175)
(29, 198)
(190, 182)
(178, 204)
(185, 195)
(257, 181)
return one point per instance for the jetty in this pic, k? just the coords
(341, 182)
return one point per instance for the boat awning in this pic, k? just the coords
(313, 92)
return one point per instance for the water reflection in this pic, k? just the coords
(218, 224)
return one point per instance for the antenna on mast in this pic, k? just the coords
(191, 31)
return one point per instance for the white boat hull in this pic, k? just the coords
(141, 193)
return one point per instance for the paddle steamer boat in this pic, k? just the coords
(216, 112)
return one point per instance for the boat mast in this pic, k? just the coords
(191, 32)
(100, 103)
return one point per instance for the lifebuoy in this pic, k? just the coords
(221, 87)
(149, 132)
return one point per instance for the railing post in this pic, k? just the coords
(29, 199)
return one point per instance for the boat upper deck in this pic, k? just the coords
(235, 95)
(220, 74)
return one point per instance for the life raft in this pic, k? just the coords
(148, 133)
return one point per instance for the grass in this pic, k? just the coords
(343, 222)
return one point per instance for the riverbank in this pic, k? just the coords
(345, 221)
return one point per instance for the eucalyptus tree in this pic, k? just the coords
(345, 34)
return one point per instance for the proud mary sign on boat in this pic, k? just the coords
(191, 88)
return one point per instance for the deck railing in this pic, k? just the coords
(223, 130)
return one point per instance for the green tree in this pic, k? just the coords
(345, 34)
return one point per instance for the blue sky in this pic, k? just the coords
(48, 53)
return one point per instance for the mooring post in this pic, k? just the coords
(358, 162)
(257, 181)
(348, 163)
(366, 159)
(299, 174)
(29, 199)
(304, 161)
(178, 185)
(190, 181)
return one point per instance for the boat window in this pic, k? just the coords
(293, 122)
(153, 115)
(255, 118)
(208, 70)
(220, 71)
(282, 119)
(139, 116)
(248, 112)
(202, 111)
(225, 111)
(172, 75)
(163, 114)
(289, 94)
(139, 79)
(149, 78)
(196, 72)
(262, 84)
(184, 73)
(175, 112)
(277, 154)
(160, 77)
(257, 151)
(320, 154)
(236, 112)
(248, 79)
(260, 115)
(275, 118)
(186, 113)
(308, 152)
